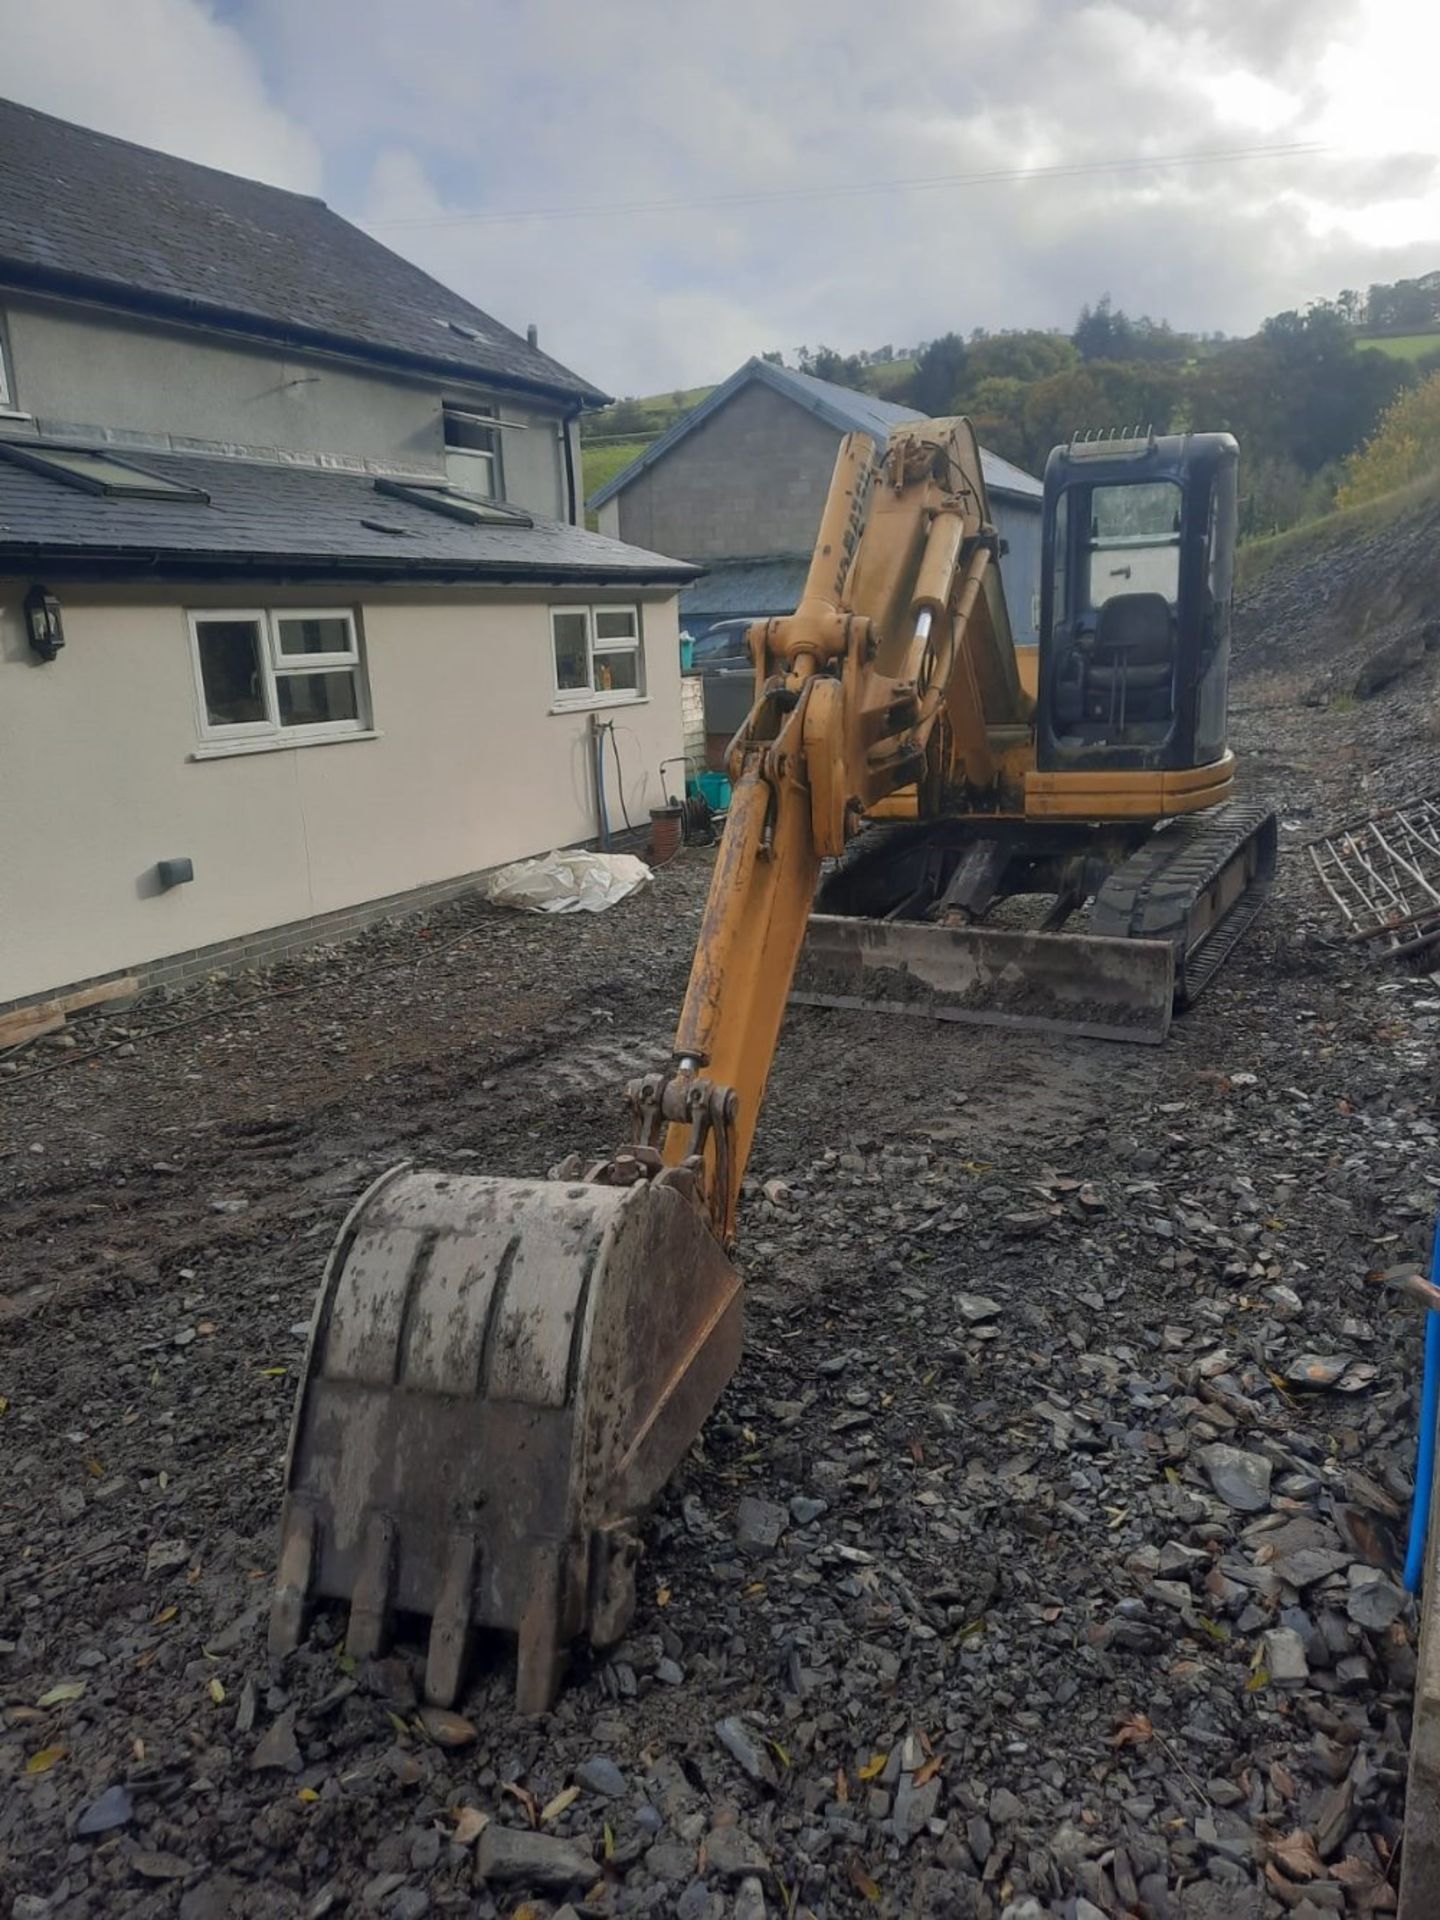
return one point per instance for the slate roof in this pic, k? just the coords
(288, 523)
(840, 407)
(757, 588)
(81, 212)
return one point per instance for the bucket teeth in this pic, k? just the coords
(614, 1552)
(538, 1652)
(369, 1629)
(292, 1579)
(450, 1627)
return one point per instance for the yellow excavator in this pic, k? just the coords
(502, 1374)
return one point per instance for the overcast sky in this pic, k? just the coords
(782, 127)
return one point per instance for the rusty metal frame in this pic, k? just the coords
(1383, 874)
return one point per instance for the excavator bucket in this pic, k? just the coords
(1104, 989)
(501, 1376)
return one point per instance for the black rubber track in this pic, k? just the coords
(879, 867)
(1152, 895)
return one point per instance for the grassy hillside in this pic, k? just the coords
(611, 438)
(1297, 546)
(601, 464)
(1402, 346)
(885, 379)
(1301, 395)
(644, 416)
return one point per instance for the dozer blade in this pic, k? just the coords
(501, 1376)
(1050, 982)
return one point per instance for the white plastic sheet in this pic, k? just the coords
(569, 881)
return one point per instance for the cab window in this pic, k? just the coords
(1134, 544)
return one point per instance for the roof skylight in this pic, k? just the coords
(99, 473)
(439, 496)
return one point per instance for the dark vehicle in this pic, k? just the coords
(724, 663)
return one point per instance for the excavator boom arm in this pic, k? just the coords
(899, 635)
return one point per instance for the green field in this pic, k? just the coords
(1305, 541)
(883, 380)
(658, 411)
(1402, 346)
(603, 453)
(601, 464)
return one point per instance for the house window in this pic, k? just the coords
(599, 654)
(472, 451)
(281, 676)
(6, 391)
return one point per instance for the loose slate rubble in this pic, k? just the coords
(601, 1776)
(114, 1808)
(507, 1856)
(277, 1749)
(1241, 1479)
(733, 1855)
(759, 1525)
(746, 1751)
(959, 1563)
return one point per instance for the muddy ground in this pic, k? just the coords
(1040, 1560)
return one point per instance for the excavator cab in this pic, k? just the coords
(1138, 561)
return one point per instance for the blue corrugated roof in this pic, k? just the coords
(857, 412)
(841, 407)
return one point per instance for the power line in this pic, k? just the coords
(855, 189)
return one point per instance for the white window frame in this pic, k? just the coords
(475, 416)
(7, 397)
(276, 665)
(313, 662)
(568, 699)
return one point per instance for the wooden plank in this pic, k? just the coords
(97, 996)
(55, 1010)
(29, 1024)
(48, 1016)
(1420, 1872)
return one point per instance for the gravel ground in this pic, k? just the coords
(1040, 1561)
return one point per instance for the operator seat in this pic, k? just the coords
(1130, 668)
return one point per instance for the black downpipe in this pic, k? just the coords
(565, 425)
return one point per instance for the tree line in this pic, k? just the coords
(1300, 395)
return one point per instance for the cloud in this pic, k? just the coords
(164, 73)
(440, 121)
(626, 104)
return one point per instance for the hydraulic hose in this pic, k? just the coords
(1425, 1451)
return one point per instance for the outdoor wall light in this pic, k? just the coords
(43, 623)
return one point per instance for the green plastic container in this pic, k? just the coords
(716, 789)
(687, 653)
